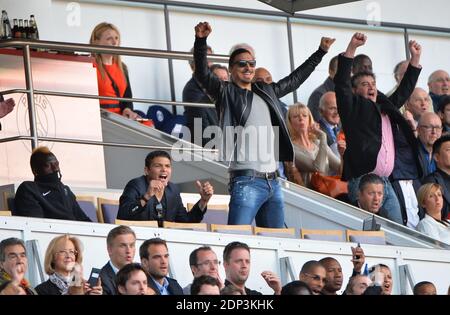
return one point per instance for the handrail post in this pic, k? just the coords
(291, 51)
(170, 61)
(30, 95)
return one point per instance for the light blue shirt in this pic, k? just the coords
(164, 288)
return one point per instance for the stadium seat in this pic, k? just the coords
(366, 237)
(87, 204)
(8, 200)
(216, 214)
(152, 223)
(286, 233)
(232, 229)
(108, 210)
(5, 213)
(323, 235)
(186, 226)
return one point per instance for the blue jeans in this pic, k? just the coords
(390, 200)
(256, 198)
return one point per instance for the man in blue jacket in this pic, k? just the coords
(153, 197)
(250, 117)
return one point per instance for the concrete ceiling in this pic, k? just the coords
(292, 6)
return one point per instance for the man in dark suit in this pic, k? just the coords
(121, 245)
(155, 260)
(154, 197)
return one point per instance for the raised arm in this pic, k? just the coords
(408, 83)
(202, 73)
(343, 88)
(357, 40)
(299, 75)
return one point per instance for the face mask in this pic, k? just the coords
(49, 178)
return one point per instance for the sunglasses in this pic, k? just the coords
(243, 63)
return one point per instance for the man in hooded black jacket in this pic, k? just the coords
(47, 196)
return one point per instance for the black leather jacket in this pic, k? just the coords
(234, 103)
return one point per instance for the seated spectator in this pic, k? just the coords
(6, 107)
(429, 130)
(203, 261)
(121, 246)
(46, 197)
(330, 123)
(154, 256)
(326, 86)
(263, 75)
(361, 63)
(296, 287)
(62, 254)
(357, 285)
(430, 199)
(417, 104)
(153, 197)
(424, 288)
(312, 153)
(131, 279)
(370, 195)
(441, 154)
(334, 277)
(112, 73)
(236, 262)
(399, 72)
(381, 276)
(313, 274)
(333, 269)
(438, 84)
(205, 285)
(13, 266)
(220, 71)
(444, 112)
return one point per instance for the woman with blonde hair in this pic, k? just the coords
(112, 73)
(63, 256)
(429, 197)
(312, 153)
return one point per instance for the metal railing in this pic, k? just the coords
(26, 45)
(405, 29)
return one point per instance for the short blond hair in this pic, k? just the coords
(50, 254)
(425, 190)
(298, 108)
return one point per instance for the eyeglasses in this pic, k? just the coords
(315, 277)
(16, 256)
(67, 253)
(209, 263)
(243, 63)
(430, 128)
